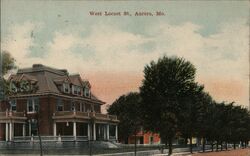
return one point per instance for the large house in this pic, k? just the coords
(58, 106)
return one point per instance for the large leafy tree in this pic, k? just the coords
(165, 81)
(127, 109)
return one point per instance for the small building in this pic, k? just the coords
(58, 106)
(146, 138)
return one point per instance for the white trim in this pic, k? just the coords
(6, 131)
(74, 129)
(54, 128)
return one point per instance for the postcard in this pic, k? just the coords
(124, 77)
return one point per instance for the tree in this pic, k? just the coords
(191, 108)
(7, 63)
(165, 81)
(127, 107)
(203, 121)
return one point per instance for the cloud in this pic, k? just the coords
(19, 41)
(222, 56)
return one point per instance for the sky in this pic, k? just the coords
(112, 51)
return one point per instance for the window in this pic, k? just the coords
(82, 107)
(73, 107)
(13, 105)
(76, 90)
(66, 88)
(34, 129)
(33, 105)
(59, 105)
(13, 87)
(86, 92)
(151, 140)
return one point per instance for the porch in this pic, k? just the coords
(12, 123)
(88, 125)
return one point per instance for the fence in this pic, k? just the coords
(74, 147)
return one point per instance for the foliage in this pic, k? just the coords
(164, 83)
(127, 109)
(8, 62)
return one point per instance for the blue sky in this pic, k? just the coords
(213, 35)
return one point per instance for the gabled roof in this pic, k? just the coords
(86, 83)
(76, 79)
(22, 77)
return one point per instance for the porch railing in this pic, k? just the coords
(62, 114)
(49, 138)
(12, 114)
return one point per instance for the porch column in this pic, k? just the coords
(6, 131)
(107, 131)
(24, 129)
(116, 132)
(54, 128)
(104, 131)
(88, 132)
(74, 130)
(10, 134)
(13, 130)
(94, 132)
(29, 129)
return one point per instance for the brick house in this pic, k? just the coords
(58, 105)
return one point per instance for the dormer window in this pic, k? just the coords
(86, 91)
(76, 90)
(79, 90)
(13, 87)
(66, 88)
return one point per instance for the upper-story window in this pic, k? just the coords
(13, 87)
(13, 105)
(73, 106)
(59, 105)
(32, 105)
(82, 107)
(86, 91)
(66, 88)
(76, 90)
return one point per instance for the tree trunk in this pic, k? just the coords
(191, 144)
(212, 144)
(170, 150)
(186, 141)
(217, 146)
(203, 144)
(135, 144)
(234, 145)
(226, 145)
(221, 147)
